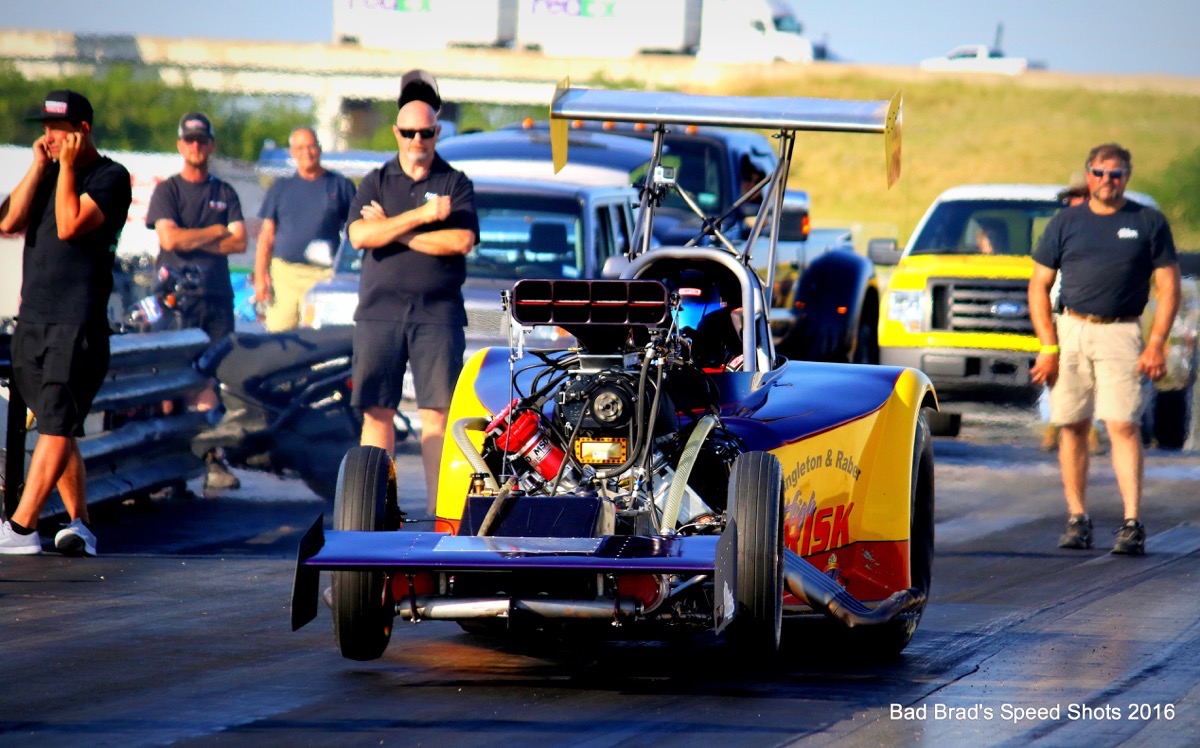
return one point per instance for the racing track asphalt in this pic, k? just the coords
(178, 633)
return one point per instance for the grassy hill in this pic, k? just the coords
(1035, 128)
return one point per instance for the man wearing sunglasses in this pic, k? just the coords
(414, 219)
(1107, 249)
(198, 219)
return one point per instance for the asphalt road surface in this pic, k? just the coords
(178, 634)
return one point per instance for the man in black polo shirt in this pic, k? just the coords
(71, 204)
(415, 219)
(198, 219)
(1107, 250)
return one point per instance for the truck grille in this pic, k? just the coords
(980, 305)
(487, 323)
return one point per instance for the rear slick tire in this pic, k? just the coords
(362, 614)
(756, 496)
(888, 640)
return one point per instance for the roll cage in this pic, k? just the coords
(785, 115)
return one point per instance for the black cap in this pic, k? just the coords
(196, 124)
(419, 85)
(64, 105)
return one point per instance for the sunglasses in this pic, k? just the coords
(196, 139)
(426, 133)
(1113, 174)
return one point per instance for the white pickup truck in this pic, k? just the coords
(976, 58)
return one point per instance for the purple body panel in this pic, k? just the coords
(441, 552)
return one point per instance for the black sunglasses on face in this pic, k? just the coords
(1113, 174)
(426, 133)
(195, 139)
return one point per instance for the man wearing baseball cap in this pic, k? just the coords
(198, 219)
(71, 205)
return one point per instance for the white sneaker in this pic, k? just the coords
(15, 544)
(75, 540)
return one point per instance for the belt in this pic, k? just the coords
(1097, 319)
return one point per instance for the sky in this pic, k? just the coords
(1099, 36)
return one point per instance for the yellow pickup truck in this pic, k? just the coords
(956, 303)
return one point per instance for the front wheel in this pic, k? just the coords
(362, 615)
(756, 501)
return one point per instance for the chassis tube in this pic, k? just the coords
(450, 609)
(827, 596)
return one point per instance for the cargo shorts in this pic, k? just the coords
(1098, 378)
(58, 369)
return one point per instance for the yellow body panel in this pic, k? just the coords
(454, 478)
(862, 471)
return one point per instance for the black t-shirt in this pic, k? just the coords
(1106, 260)
(307, 210)
(197, 205)
(397, 282)
(69, 282)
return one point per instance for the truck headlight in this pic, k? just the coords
(331, 308)
(907, 308)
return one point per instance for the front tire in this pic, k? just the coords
(756, 501)
(362, 616)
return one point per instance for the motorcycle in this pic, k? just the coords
(175, 293)
(287, 403)
(285, 396)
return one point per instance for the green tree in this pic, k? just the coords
(141, 113)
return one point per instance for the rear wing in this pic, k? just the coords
(768, 113)
(785, 115)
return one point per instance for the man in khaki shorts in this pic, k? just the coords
(1107, 249)
(302, 217)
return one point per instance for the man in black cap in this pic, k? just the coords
(198, 219)
(415, 219)
(71, 204)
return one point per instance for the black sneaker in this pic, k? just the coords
(1078, 534)
(1131, 539)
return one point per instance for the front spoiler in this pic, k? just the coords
(683, 555)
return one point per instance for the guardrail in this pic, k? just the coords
(138, 445)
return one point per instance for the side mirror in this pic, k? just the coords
(884, 251)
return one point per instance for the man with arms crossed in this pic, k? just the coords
(415, 219)
(198, 219)
(72, 204)
(1107, 249)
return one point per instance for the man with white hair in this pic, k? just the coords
(414, 218)
(301, 220)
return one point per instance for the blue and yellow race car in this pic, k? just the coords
(670, 475)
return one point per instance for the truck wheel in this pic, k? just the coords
(888, 640)
(362, 616)
(866, 347)
(756, 495)
(1172, 417)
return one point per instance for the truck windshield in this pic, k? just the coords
(699, 169)
(520, 236)
(985, 227)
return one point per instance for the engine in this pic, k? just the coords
(618, 426)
